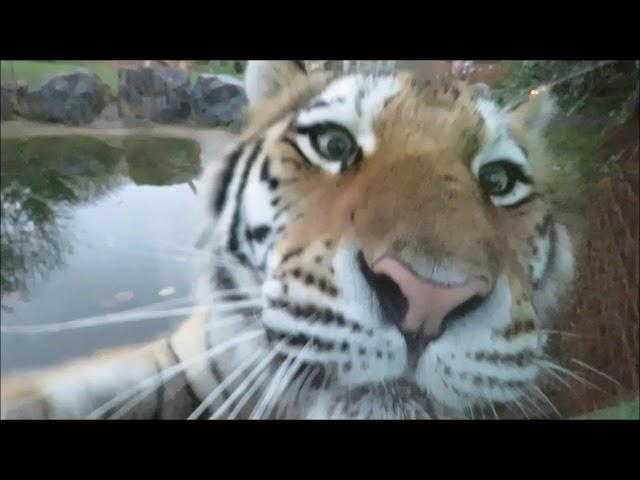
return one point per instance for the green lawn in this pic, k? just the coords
(624, 411)
(216, 68)
(34, 72)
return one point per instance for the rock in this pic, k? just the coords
(155, 93)
(13, 98)
(219, 101)
(8, 102)
(73, 99)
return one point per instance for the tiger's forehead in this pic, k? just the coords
(421, 114)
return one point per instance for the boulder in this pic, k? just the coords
(8, 102)
(73, 99)
(219, 101)
(154, 93)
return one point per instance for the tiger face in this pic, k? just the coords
(400, 236)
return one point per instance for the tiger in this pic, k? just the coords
(379, 247)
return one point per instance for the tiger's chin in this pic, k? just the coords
(394, 400)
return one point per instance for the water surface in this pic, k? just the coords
(89, 227)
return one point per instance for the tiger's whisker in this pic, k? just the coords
(493, 408)
(163, 376)
(292, 392)
(262, 404)
(111, 319)
(519, 405)
(305, 390)
(564, 334)
(470, 408)
(222, 385)
(174, 370)
(225, 322)
(287, 379)
(420, 409)
(551, 365)
(250, 392)
(246, 382)
(535, 405)
(556, 376)
(544, 397)
(596, 371)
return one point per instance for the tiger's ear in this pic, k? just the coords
(536, 111)
(264, 79)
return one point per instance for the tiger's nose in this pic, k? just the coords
(429, 303)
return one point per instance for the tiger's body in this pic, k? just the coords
(404, 255)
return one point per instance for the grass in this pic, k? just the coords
(35, 72)
(624, 411)
(215, 67)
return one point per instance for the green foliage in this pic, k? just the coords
(34, 73)
(599, 90)
(228, 67)
(625, 411)
(592, 97)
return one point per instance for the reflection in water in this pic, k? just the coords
(75, 207)
(180, 161)
(41, 179)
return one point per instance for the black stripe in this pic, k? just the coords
(551, 255)
(225, 180)
(280, 211)
(212, 366)
(543, 227)
(195, 400)
(315, 104)
(313, 314)
(235, 224)
(267, 251)
(300, 340)
(300, 65)
(265, 175)
(223, 280)
(522, 201)
(258, 234)
(525, 152)
(290, 254)
(158, 411)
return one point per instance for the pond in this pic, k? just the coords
(92, 227)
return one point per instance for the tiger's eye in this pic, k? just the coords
(494, 178)
(335, 145)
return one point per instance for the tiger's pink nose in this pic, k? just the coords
(429, 302)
